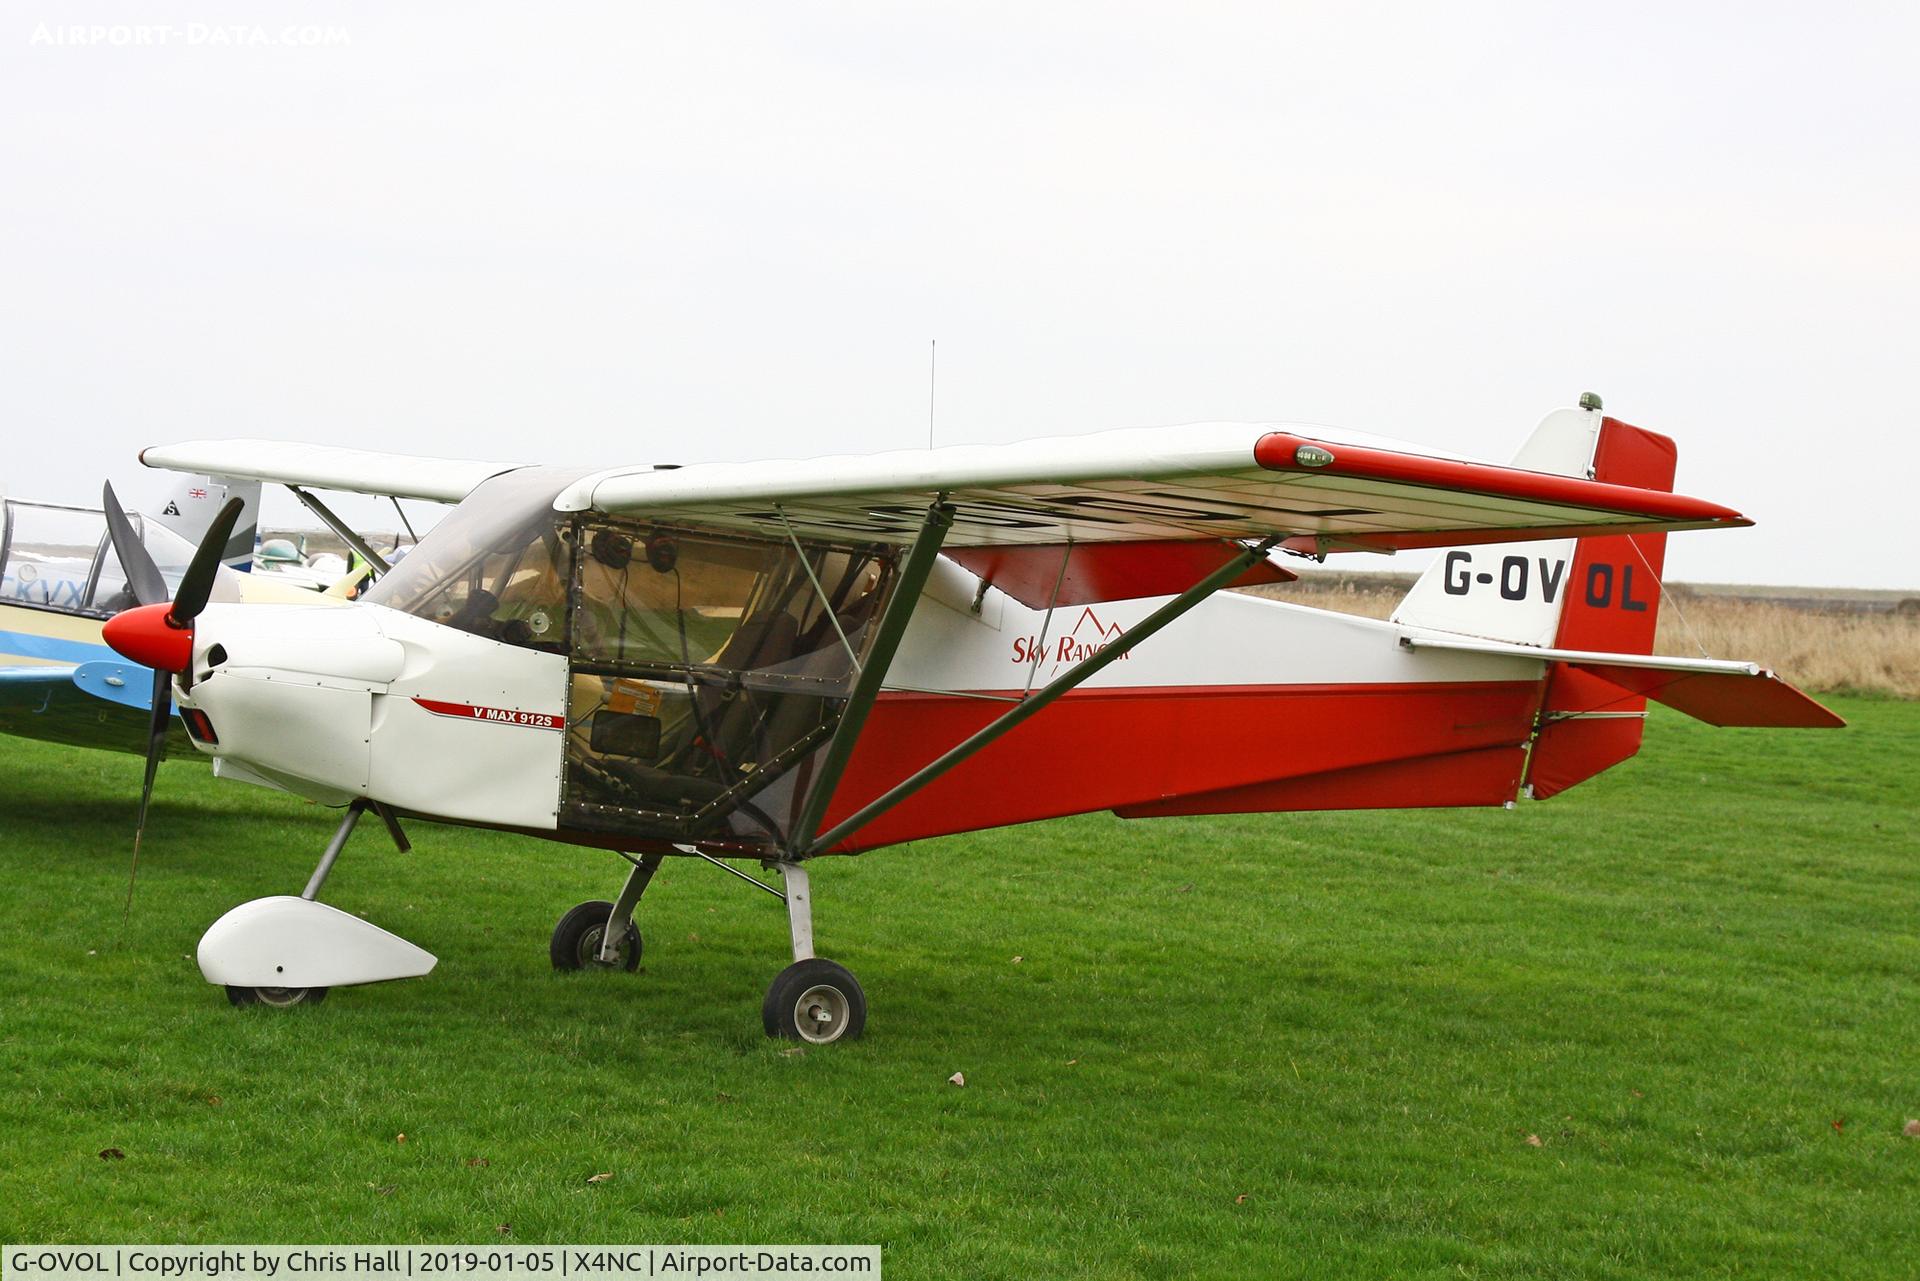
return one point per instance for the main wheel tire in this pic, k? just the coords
(280, 998)
(576, 939)
(817, 1001)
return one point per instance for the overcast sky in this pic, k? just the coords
(642, 232)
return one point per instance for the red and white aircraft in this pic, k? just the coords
(779, 660)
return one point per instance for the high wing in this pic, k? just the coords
(1317, 490)
(1167, 502)
(355, 471)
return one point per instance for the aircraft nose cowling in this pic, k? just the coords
(289, 690)
(148, 636)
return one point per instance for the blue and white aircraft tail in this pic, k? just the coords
(190, 508)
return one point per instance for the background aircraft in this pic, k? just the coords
(289, 563)
(60, 579)
(776, 661)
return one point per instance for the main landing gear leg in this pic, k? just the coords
(285, 951)
(813, 1000)
(602, 934)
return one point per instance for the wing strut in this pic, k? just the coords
(1061, 684)
(344, 530)
(866, 687)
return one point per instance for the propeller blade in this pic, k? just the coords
(143, 576)
(196, 585)
(156, 748)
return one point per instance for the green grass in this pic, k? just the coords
(1287, 1045)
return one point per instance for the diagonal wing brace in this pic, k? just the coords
(866, 687)
(1071, 678)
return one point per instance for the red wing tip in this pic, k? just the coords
(1283, 451)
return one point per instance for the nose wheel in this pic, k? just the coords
(284, 951)
(280, 998)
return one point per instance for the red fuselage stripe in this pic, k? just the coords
(1375, 688)
(1127, 747)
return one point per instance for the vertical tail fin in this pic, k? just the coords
(189, 508)
(1600, 593)
(1613, 600)
(1612, 603)
(1511, 591)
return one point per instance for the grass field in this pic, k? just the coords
(1666, 1024)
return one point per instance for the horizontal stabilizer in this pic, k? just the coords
(1717, 691)
(1744, 698)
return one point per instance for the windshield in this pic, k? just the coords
(495, 567)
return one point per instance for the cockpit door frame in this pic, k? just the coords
(700, 818)
(866, 688)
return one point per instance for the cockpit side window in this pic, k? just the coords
(59, 557)
(52, 556)
(656, 600)
(707, 668)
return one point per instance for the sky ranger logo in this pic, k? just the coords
(1088, 637)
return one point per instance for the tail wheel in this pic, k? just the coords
(817, 1001)
(576, 940)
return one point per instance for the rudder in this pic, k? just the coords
(1612, 603)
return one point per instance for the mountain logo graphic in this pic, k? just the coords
(1054, 653)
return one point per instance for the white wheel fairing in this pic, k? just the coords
(289, 942)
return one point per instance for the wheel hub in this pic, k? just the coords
(820, 1014)
(590, 948)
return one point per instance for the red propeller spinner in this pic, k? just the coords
(148, 635)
